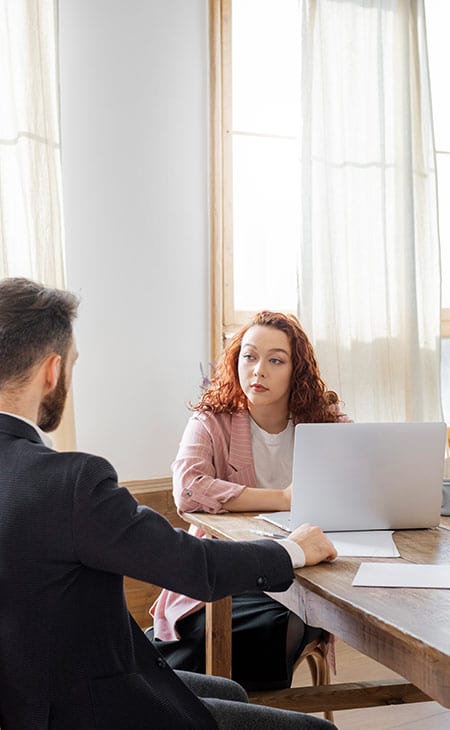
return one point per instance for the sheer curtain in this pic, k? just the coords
(31, 225)
(369, 270)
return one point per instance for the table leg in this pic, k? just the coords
(218, 637)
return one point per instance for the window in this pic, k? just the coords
(259, 99)
(256, 111)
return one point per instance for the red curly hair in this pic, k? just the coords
(310, 401)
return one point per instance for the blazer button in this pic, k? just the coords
(161, 662)
(261, 582)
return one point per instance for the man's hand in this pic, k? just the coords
(314, 543)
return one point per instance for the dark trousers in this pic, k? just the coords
(267, 639)
(228, 704)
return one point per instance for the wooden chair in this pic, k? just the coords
(315, 654)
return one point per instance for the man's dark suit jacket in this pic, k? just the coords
(71, 656)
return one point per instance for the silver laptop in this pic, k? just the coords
(366, 476)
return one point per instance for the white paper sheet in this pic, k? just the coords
(402, 575)
(370, 544)
(362, 544)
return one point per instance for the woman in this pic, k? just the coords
(236, 455)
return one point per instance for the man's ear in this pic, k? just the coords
(52, 371)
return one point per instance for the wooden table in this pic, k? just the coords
(407, 630)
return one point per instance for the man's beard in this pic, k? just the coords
(52, 407)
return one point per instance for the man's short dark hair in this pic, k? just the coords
(34, 322)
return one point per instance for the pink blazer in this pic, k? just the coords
(214, 463)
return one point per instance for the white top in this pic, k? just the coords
(273, 455)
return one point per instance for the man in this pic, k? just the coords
(71, 657)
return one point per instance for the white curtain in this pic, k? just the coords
(31, 220)
(369, 273)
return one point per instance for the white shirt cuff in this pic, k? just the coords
(295, 552)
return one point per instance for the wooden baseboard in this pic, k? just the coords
(142, 486)
(157, 494)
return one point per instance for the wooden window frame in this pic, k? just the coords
(225, 319)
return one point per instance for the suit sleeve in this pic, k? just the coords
(111, 532)
(196, 487)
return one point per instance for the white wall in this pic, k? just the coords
(134, 151)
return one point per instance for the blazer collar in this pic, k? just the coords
(17, 427)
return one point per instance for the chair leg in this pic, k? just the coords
(320, 671)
